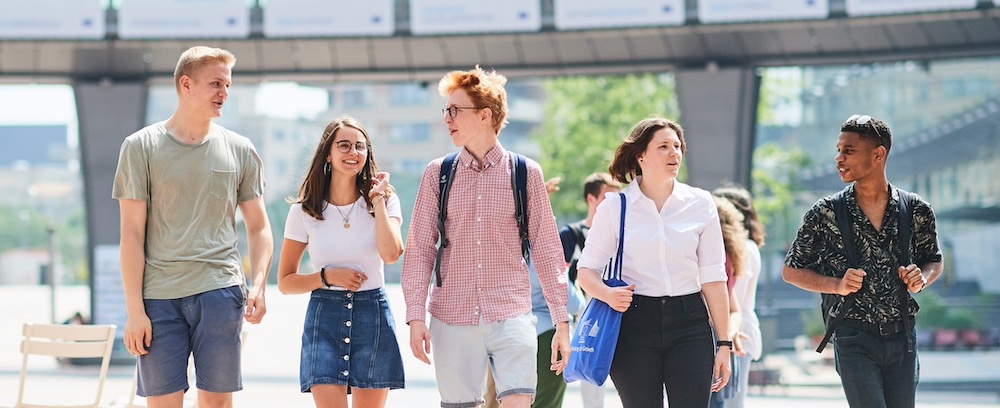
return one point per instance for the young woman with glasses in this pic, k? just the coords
(348, 218)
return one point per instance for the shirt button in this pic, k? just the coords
(346, 357)
(480, 289)
(479, 243)
(478, 219)
(344, 373)
(347, 340)
(350, 305)
(479, 197)
(349, 295)
(479, 266)
(347, 323)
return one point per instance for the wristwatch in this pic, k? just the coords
(727, 343)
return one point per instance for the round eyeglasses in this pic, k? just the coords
(345, 146)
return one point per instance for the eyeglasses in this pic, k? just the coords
(452, 111)
(345, 146)
(863, 120)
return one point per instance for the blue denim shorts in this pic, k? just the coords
(208, 325)
(349, 338)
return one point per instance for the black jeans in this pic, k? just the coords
(876, 371)
(665, 343)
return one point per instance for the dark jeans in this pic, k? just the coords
(876, 371)
(665, 343)
(551, 388)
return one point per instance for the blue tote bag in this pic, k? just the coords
(596, 336)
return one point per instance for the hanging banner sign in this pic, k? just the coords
(878, 7)
(733, 11)
(325, 18)
(183, 19)
(34, 20)
(585, 14)
(467, 17)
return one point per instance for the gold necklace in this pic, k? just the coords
(347, 218)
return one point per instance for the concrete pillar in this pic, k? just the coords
(719, 116)
(107, 113)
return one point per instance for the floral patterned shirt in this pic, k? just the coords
(819, 247)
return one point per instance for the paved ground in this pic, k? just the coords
(271, 364)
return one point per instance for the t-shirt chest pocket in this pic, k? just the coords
(222, 184)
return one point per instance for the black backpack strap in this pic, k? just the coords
(577, 229)
(447, 173)
(519, 183)
(905, 229)
(843, 216)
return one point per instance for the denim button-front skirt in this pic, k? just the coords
(349, 338)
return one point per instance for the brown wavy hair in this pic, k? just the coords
(734, 235)
(624, 166)
(316, 187)
(740, 198)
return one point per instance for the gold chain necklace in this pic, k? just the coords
(347, 218)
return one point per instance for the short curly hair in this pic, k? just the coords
(870, 129)
(485, 88)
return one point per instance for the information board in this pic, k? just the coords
(317, 18)
(183, 19)
(731, 11)
(463, 16)
(879, 7)
(583, 14)
(76, 19)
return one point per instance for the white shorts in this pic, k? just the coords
(463, 353)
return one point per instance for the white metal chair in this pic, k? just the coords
(66, 341)
(132, 403)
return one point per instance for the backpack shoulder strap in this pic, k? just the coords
(447, 173)
(905, 229)
(577, 229)
(843, 218)
(519, 183)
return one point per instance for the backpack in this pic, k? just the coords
(519, 184)
(579, 238)
(905, 230)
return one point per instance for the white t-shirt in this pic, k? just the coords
(330, 245)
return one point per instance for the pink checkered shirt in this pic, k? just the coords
(482, 271)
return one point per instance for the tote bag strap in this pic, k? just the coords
(616, 268)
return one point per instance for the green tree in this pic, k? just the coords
(586, 117)
(775, 185)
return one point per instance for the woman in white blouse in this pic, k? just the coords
(674, 262)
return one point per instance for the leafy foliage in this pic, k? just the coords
(585, 120)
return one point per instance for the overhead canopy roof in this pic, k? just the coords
(924, 36)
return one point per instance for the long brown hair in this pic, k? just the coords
(740, 198)
(734, 236)
(625, 164)
(315, 188)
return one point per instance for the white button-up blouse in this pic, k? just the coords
(667, 253)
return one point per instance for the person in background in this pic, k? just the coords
(674, 261)
(178, 184)
(573, 237)
(734, 236)
(480, 306)
(348, 218)
(745, 292)
(872, 346)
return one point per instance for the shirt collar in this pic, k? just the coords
(494, 156)
(682, 192)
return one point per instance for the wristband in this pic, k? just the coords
(322, 277)
(375, 201)
(727, 343)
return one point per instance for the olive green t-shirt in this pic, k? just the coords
(191, 194)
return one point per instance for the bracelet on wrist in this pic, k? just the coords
(727, 343)
(375, 201)
(322, 277)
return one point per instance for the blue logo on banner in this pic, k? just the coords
(231, 21)
(376, 19)
(667, 9)
(522, 15)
